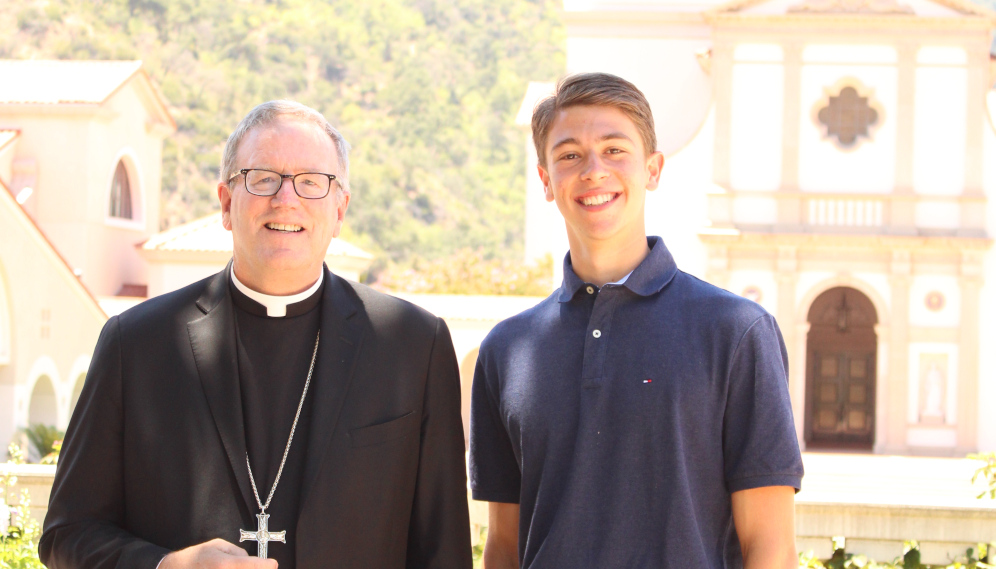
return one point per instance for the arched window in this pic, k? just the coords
(42, 408)
(121, 193)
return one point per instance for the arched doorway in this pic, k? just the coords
(840, 371)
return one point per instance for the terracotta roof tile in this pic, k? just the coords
(55, 82)
(207, 234)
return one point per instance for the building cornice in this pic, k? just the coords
(835, 241)
(724, 20)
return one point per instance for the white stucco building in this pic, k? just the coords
(834, 160)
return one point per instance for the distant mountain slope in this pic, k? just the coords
(425, 90)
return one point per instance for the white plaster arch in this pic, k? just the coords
(44, 366)
(77, 374)
(43, 405)
(881, 306)
(881, 339)
(136, 180)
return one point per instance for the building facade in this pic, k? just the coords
(835, 161)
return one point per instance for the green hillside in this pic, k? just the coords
(425, 90)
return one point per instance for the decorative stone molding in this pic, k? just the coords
(934, 301)
(732, 238)
(851, 7)
(848, 114)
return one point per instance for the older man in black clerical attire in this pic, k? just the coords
(273, 412)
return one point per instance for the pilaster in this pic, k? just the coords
(968, 353)
(787, 276)
(797, 380)
(790, 208)
(901, 218)
(882, 357)
(973, 217)
(898, 378)
(722, 54)
(718, 266)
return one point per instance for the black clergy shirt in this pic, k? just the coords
(274, 355)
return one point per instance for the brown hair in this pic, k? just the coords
(594, 89)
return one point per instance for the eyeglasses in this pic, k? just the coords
(308, 185)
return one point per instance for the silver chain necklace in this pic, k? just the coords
(262, 536)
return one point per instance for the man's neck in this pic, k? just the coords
(600, 263)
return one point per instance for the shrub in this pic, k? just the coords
(18, 532)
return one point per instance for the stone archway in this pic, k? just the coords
(43, 407)
(840, 371)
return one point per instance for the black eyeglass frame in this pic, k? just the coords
(245, 182)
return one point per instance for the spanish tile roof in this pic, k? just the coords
(55, 82)
(208, 235)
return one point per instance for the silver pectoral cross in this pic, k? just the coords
(262, 535)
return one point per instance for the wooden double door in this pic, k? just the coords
(842, 404)
(840, 374)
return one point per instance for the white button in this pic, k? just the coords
(597, 333)
(591, 290)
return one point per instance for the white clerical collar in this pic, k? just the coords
(276, 306)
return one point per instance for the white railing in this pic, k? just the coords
(845, 212)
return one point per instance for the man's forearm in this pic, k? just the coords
(771, 556)
(765, 522)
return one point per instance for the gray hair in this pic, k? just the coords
(269, 112)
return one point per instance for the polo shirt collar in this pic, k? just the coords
(653, 273)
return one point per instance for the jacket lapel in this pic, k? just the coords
(342, 334)
(212, 338)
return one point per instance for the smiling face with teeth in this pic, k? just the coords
(280, 241)
(598, 173)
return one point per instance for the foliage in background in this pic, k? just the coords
(469, 272)
(972, 559)
(478, 553)
(425, 90)
(44, 439)
(986, 472)
(18, 532)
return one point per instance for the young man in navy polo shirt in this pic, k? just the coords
(638, 417)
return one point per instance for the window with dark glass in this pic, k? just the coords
(121, 193)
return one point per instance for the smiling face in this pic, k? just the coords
(598, 173)
(280, 241)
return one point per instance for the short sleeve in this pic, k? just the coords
(495, 475)
(760, 447)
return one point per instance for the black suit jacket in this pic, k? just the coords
(155, 456)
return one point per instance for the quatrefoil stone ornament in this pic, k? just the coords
(847, 116)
